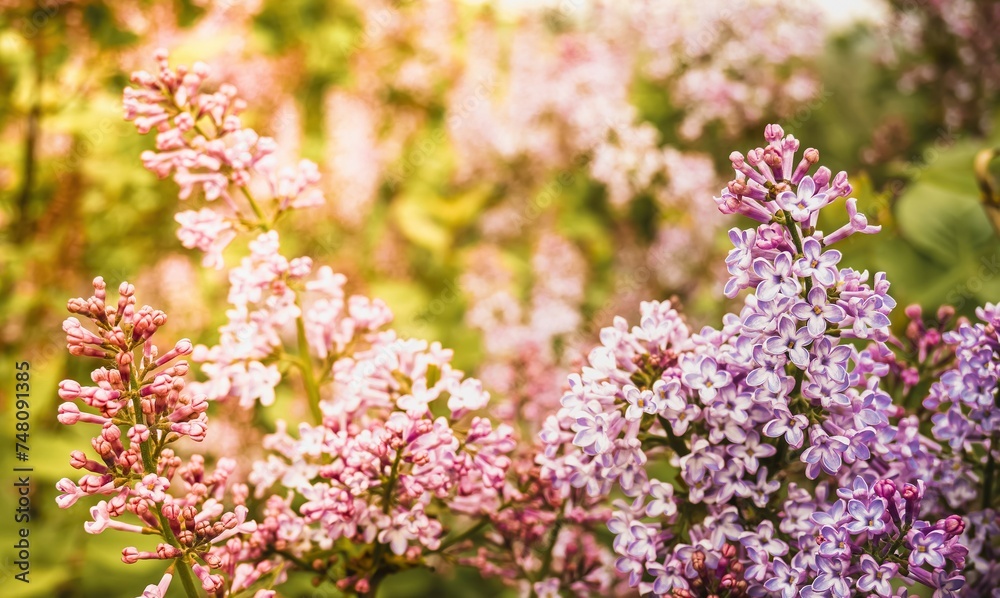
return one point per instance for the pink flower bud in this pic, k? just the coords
(69, 390)
(130, 555)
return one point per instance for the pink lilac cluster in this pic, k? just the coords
(763, 418)
(141, 404)
(947, 43)
(545, 543)
(402, 442)
(202, 143)
(540, 541)
(270, 296)
(527, 356)
(725, 64)
(399, 447)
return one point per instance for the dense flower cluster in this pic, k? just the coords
(382, 466)
(962, 408)
(142, 406)
(765, 416)
(202, 143)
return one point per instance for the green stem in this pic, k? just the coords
(790, 224)
(256, 208)
(180, 565)
(449, 542)
(390, 485)
(988, 475)
(187, 578)
(308, 376)
(675, 443)
(547, 563)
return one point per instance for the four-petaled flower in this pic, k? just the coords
(876, 576)
(816, 310)
(927, 549)
(803, 202)
(776, 277)
(866, 518)
(786, 580)
(791, 341)
(639, 402)
(825, 453)
(821, 265)
(706, 377)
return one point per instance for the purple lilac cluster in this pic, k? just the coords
(962, 408)
(763, 420)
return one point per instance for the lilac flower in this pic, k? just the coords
(978, 389)
(762, 491)
(859, 490)
(680, 415)
(770, 370)
(592, 427)
(705, 377)
(829, 359)
(750, 450)
(867, 316)
(833, 516)
(787, 425)
(763, 539)
(951, 426)
(816, 310)
(699, 460)
(927, 549)
(876, 577)
(826, 453)
(822, 266)
(633, 567)
(729, 482)
(866, 519)
(791, 341)
(858, 223)
(777, 277)
(662, 503)
(834, 542)
(639, 402)
(757, 571)
(786, 580)
(741, 256)
(831, 578)
(803, 202)
(765, 316)
(643, 541)
(668, 577)
(724, 526)
(947, 585)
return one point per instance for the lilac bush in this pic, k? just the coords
(800, 449)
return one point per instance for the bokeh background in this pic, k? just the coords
(508, 176)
